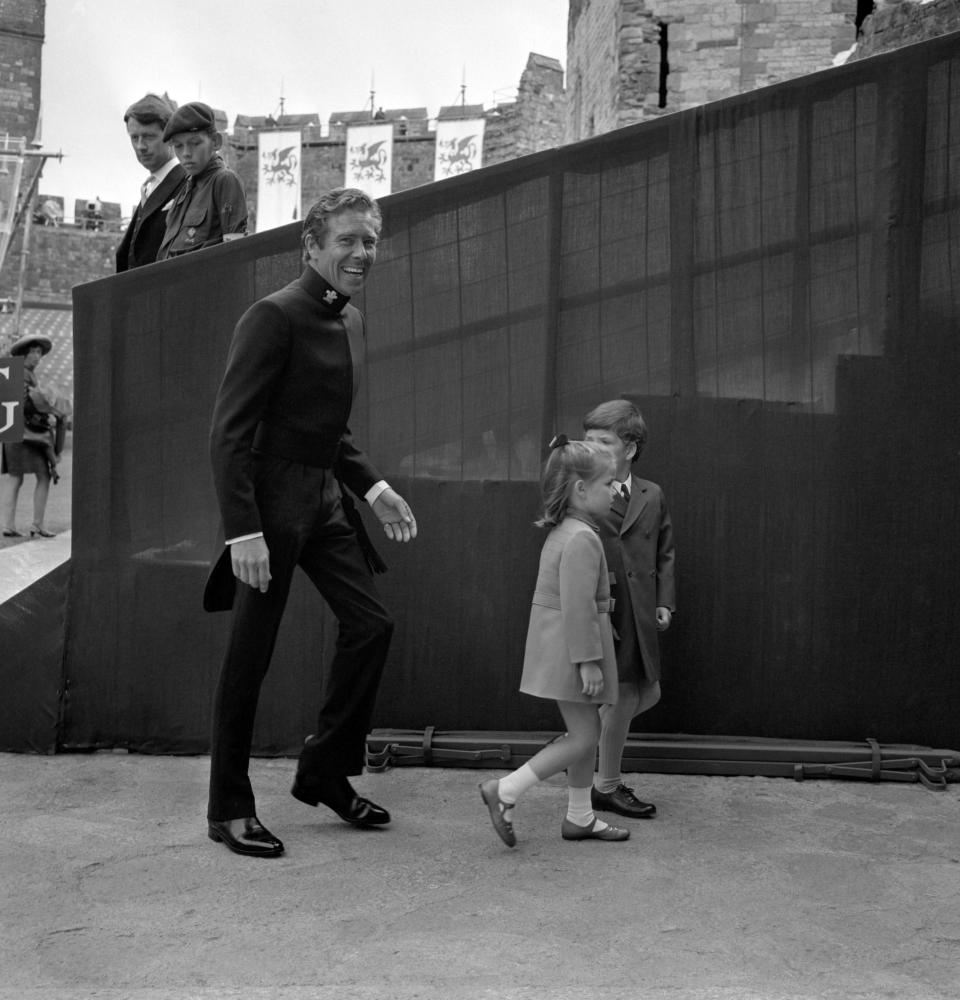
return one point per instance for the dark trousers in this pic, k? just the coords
(304, 525)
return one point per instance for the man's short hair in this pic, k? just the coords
(623, 418)
(337, 200)
(151, 109)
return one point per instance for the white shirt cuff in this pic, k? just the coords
(378, 487)
(370, 496)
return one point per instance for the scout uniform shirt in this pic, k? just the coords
(210, 204)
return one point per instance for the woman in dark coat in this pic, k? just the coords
(29, 456)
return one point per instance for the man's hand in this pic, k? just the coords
(664, 617)
(395, 516)
(251, 563)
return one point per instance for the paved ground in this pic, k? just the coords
(742, 889)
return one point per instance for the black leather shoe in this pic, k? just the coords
(338, 794)
(622, 801)
(245, 836)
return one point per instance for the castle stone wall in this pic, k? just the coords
(59, 258)
(714, 49)
(893, 24)
(21, 41)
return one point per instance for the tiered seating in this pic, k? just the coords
(56, 368)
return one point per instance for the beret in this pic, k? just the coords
(193, 117)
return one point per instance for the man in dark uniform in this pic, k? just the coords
(145, 123)
(281, 448)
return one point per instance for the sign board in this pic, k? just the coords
(11, 400)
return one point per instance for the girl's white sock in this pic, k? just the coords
(516, 783)
(579, 809)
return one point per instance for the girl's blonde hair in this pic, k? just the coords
(568, 461)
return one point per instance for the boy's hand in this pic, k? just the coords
(664, 617)
(592, 677)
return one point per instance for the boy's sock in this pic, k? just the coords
(614, 729)
(516, 783)
(580, 811)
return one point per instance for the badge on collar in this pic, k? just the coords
(330, 296)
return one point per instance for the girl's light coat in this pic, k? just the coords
(570, 617)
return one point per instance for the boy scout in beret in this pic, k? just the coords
(212, 203)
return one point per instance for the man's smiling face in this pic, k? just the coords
(348, 252)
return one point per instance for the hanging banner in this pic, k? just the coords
(370, 158)
(459, 147)
(11, 165)
(278, 181)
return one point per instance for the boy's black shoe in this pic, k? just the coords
(622, 801)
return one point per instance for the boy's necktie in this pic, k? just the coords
(621, 501)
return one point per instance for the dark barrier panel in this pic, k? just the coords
(773, 278)
(31, 664)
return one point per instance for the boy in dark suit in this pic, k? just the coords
(145, 121)
(638, 542)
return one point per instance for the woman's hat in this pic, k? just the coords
(24, 344)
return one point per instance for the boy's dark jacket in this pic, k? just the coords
(208, 205)
(640, 556)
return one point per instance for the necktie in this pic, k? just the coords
(625, 493)
(145, 189)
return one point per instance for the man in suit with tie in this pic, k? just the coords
(145, 123)
(637, 536)
(283, 457)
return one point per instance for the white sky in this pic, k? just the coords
(101, 55)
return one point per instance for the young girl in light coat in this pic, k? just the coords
(569, 654)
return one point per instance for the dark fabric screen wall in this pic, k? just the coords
(774, 279)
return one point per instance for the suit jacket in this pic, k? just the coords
(143, 237)
(640, 553)
(291, 377)
(569, 617)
